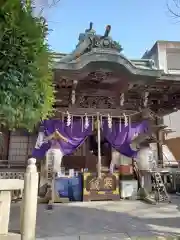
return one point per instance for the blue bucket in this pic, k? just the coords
(62, 187)
(75, 189)
(69, 187)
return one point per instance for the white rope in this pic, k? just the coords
(95, 114)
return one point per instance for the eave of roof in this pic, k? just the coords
(141, 64)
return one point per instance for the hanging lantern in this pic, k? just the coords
(68, 119)
(109, 121)
(86, 122)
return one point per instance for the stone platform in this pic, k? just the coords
(105, 220)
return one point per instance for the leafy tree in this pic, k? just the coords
(26, 85)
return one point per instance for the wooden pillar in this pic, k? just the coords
(99, 144)
(160, 139)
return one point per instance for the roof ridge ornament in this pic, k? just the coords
(90, 29)
(90, 40)
(107, 31)
(88, 32)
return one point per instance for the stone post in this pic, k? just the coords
(5, 202)
(29, 205)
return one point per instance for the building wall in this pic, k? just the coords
(169, 61)
(172, 121)
(167, 57)
(4, 146)
(20, 147)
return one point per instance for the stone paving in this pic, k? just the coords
(104, 220)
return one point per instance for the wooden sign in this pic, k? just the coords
(104, 188)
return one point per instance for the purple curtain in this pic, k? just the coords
(75, 133)
(120, 137)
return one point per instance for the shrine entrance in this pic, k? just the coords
(104, 101)
(86, 156)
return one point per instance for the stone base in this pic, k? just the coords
(144, 196)
(10, 236)
(5, 201)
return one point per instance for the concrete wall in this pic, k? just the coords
(173, 122)
(165, 48)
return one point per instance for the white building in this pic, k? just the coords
(166, 55)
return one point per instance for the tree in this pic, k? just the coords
(26, 83)
(174, 8)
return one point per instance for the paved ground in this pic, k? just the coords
(104, 220)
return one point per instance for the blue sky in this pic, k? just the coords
(136, 24)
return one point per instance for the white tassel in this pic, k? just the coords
(92, 123)
(40, 140)
(122, 99)
(125, 120)
(120, 124)
(146, 95)
(62, 117)
(135, 135)
(109, 121)
(82, 119)
(71, 123)
(68, 119)
(130, 125)
(86, 122)
(101, 121)
(73, 97)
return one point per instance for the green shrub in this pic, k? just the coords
(26, 84)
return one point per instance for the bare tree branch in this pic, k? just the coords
(173, 7)
(43, 5)
(46, 3)
(54, 2)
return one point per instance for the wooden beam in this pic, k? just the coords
(93, 112)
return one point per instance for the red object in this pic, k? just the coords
(126, 169)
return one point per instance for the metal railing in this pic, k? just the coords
(169, 163)
(12, 164)
(12, 175)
